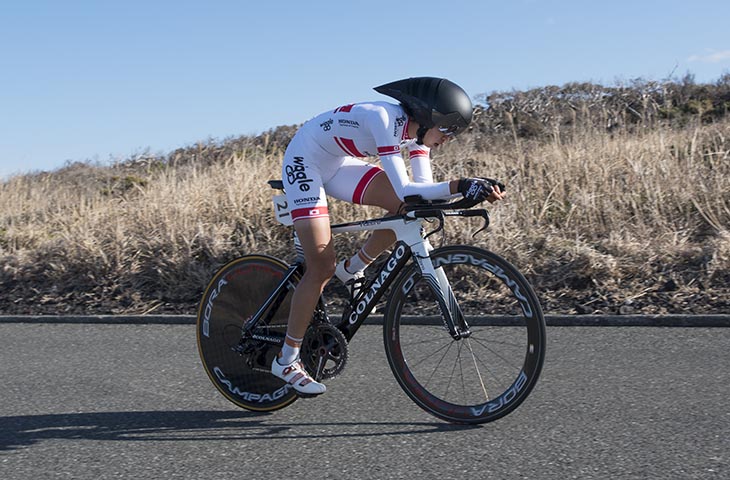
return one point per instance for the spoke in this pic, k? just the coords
(496, 354)
(431, 340)
(457, 361)
(461, 372)
(496, 342)
(437, 365)
(491, 370)
(481, 381)
(430, 354)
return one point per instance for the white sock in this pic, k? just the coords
(358, 262)
(289, 352)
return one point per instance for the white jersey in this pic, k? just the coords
(378, 129)
(324, 157)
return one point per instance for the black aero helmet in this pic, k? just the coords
(432, 102)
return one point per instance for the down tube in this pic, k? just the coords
(376, 287)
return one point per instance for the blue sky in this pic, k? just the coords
(101, 80)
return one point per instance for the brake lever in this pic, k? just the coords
(439, 228)
(475, 213)
(485, 216)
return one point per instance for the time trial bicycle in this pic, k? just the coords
(463, 330)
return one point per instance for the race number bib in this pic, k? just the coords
(281, 210)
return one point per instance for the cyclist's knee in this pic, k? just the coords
(321, 269)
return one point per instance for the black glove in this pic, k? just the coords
(494, 182)
(475, 189)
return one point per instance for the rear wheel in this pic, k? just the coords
(489, 372)
(241, 370)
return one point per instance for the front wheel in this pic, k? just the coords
(488, 373)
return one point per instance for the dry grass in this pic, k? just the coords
(600, 222)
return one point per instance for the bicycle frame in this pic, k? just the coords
(410, 244)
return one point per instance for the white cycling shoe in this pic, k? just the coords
(295, 375)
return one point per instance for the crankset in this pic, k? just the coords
(324, 351)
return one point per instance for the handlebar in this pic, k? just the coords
(419, 208)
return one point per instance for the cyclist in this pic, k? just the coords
(325, 157)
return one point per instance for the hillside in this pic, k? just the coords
(619, 202)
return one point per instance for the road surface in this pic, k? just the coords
(132, 401)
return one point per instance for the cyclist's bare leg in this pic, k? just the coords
(319, 255)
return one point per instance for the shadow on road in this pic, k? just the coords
(22, 431)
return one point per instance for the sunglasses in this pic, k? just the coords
(450, 131)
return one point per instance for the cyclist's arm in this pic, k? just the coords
(388, 139)
(420, 164)
(395, 168)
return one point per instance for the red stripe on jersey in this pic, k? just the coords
(405, 135)
(313, 212)
(363, 184)
(348, 145)
(343, 147)
(344, 108)
(389, 150)
(419, 153)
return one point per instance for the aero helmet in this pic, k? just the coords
(432, 102)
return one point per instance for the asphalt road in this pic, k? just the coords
(132, 401)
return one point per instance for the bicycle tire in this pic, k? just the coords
(480, 378)
(234, 295)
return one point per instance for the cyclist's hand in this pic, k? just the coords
(498, 190)
(495, 183)
(475, 189)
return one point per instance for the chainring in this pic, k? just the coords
(324, 351)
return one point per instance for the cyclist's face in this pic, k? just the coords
(435, 138)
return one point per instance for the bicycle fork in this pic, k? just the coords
(453, 317)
